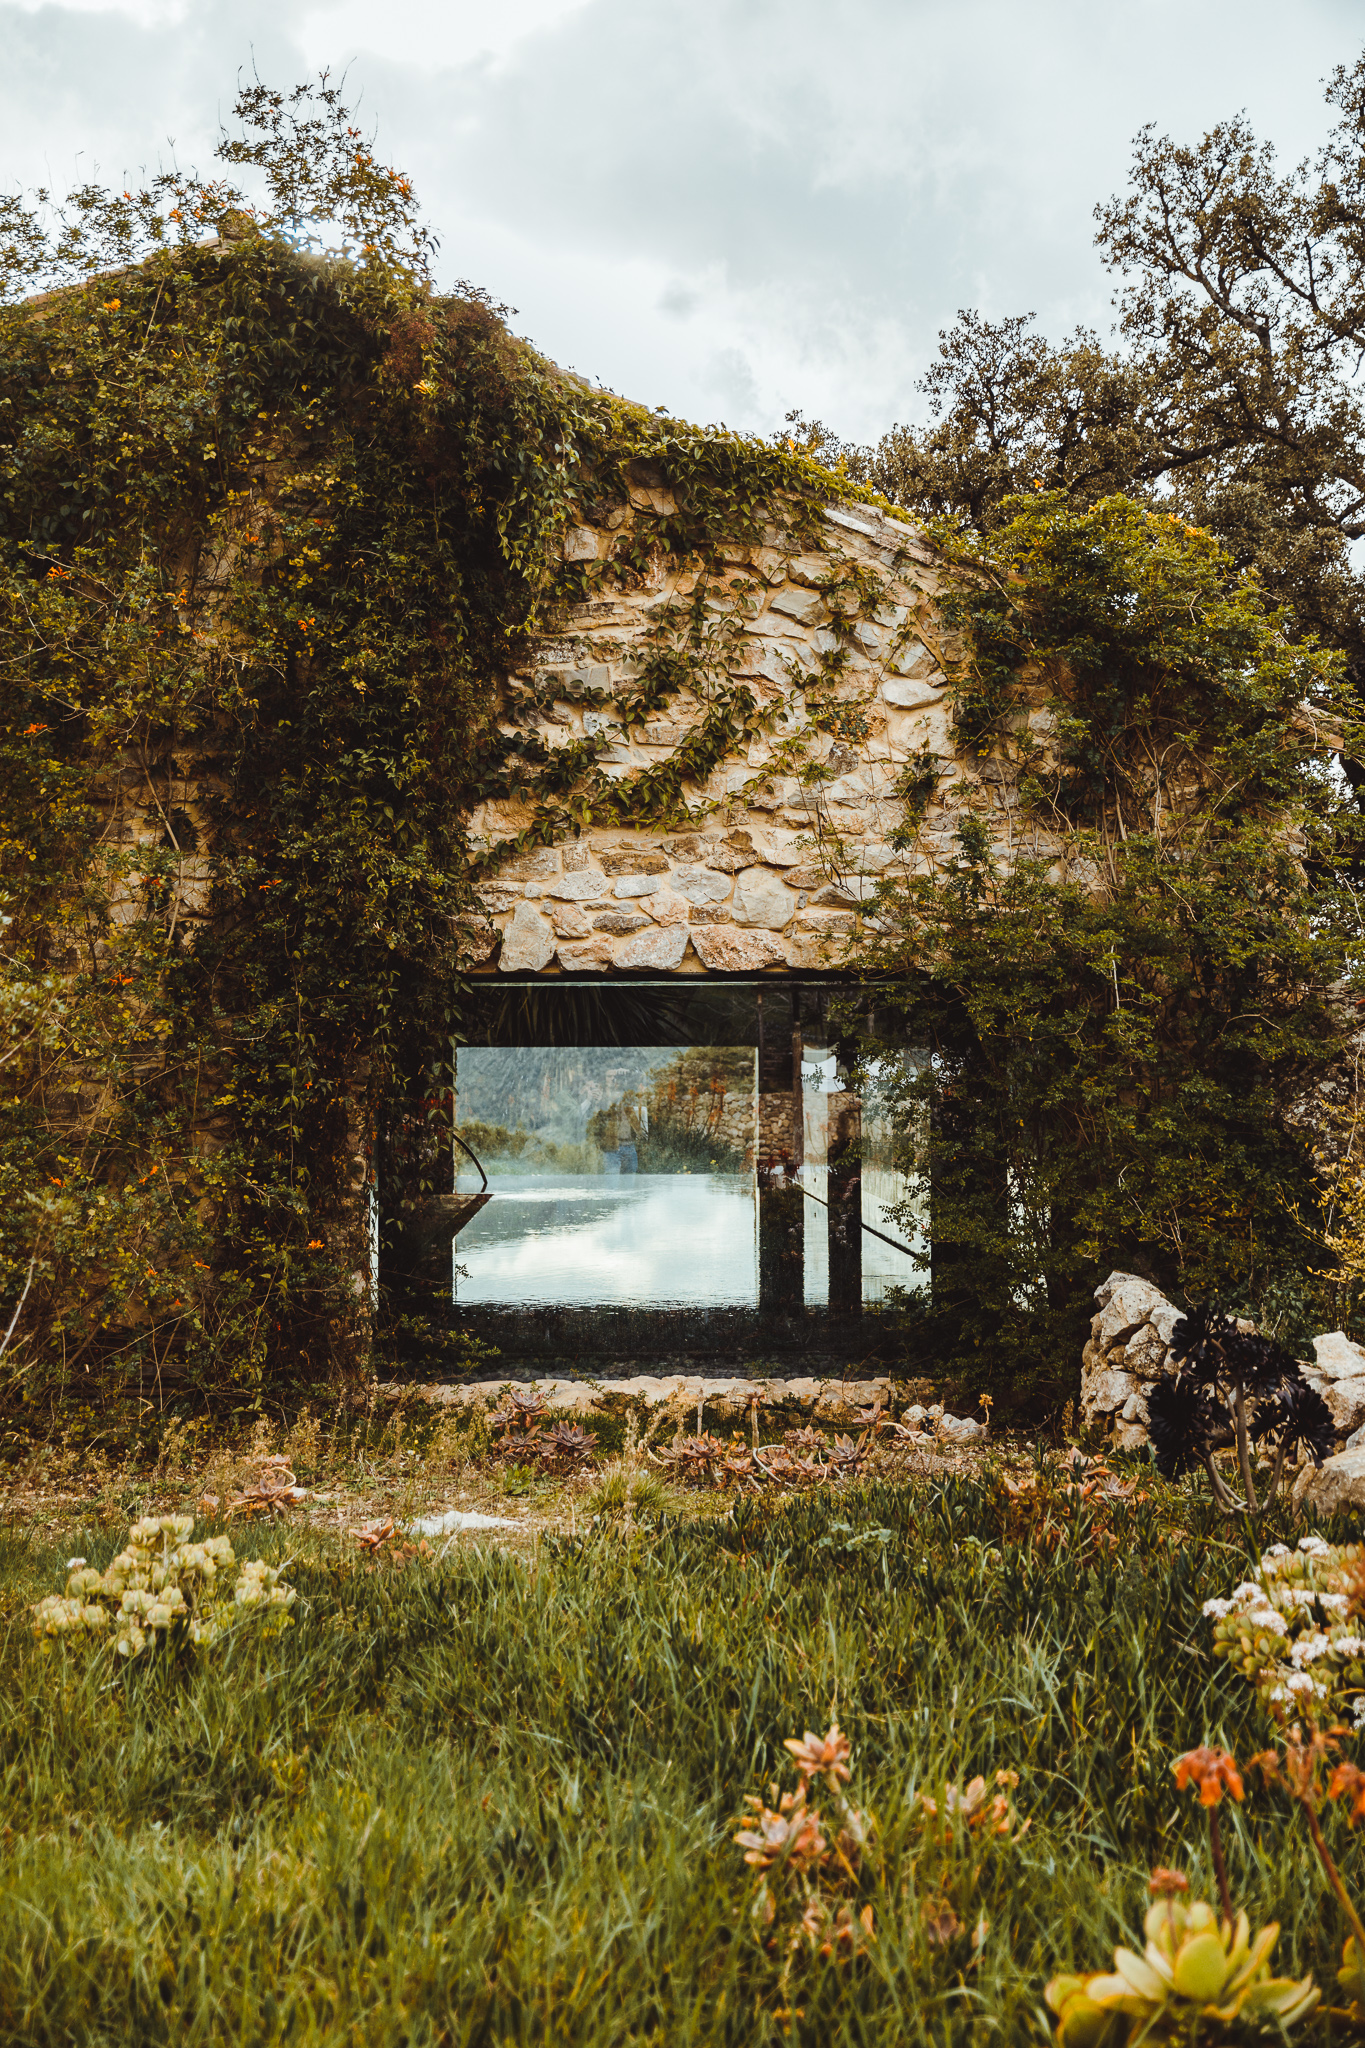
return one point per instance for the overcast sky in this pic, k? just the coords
(727, 207)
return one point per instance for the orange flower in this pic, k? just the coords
(1213, 1771)
(35, 728)
(1164, 1884)
(821, 1754)
(1348, 1782)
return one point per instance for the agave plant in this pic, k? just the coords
(565, 1445)
(1195, 1968)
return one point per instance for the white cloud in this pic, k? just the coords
(730, 208)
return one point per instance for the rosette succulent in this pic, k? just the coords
(160, 1588)
(1294, 1629)
(1195, 1968)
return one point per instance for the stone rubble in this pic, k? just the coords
(835, 1403)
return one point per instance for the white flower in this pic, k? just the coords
(1216, 1609)
(1279, 1550)
(1313, 1546)
(1308, 1649)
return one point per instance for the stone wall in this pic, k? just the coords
(789, 838)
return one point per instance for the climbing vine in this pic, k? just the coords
(274, 512)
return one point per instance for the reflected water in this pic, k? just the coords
(668, 1240)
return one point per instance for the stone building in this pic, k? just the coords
(846, 773)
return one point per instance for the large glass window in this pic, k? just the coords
(619, 1175)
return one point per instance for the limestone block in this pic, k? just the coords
(1336, 1484)
(1130, 1436)
(711, 913)
(808, 569)
(760, 898)
(586, 956)
(579, 888)
(701, 885)
(530, 867)
(643, 860)
(1106, 1392)
(846, 893)
(660, 948)
(960, 1429)
(575, 858)
(635, 885)
(729, 860)
(580, 544)
(1163, 1320)
(1145, 1353)
(665, 907)
(807, 607)
(1346, 1399)
(495, 901)
(528, 943)
(777, 848)
(1337, 1358)
(811, 951)
(1130, 1302)
(908, 694)
(570, 921)
(620, 921)
(776, 794)
(809, 875)
(726, 950)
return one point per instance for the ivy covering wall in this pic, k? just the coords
(274, 524)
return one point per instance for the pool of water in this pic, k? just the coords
(581, 1240)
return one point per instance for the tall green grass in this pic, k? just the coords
(493, 1801)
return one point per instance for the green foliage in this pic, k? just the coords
(507, 1790)
(268, 523)
(1123, 972)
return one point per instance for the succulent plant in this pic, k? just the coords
(1196, 1967)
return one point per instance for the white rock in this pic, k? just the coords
(1163, 1320)
(726, 950)
(661, 947)
(637, 885)
(1106, 1392)
(960, 1429)
(580, 544)
(701, 885)
(586, 956)
(1346, 1399)
(666, 907)
(908, 693)
(1130, 1302)
(1336, 1484)
(455, 1519)
(807, 607)
(580, 887)
(760, 898)
(528, 942)
(1337, 1357)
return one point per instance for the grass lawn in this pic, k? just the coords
(493, 1797)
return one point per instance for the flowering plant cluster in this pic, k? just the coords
(802, 1858)
(163, 1588)
(1295, 1629)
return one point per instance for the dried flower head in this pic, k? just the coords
(1167, 1884)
